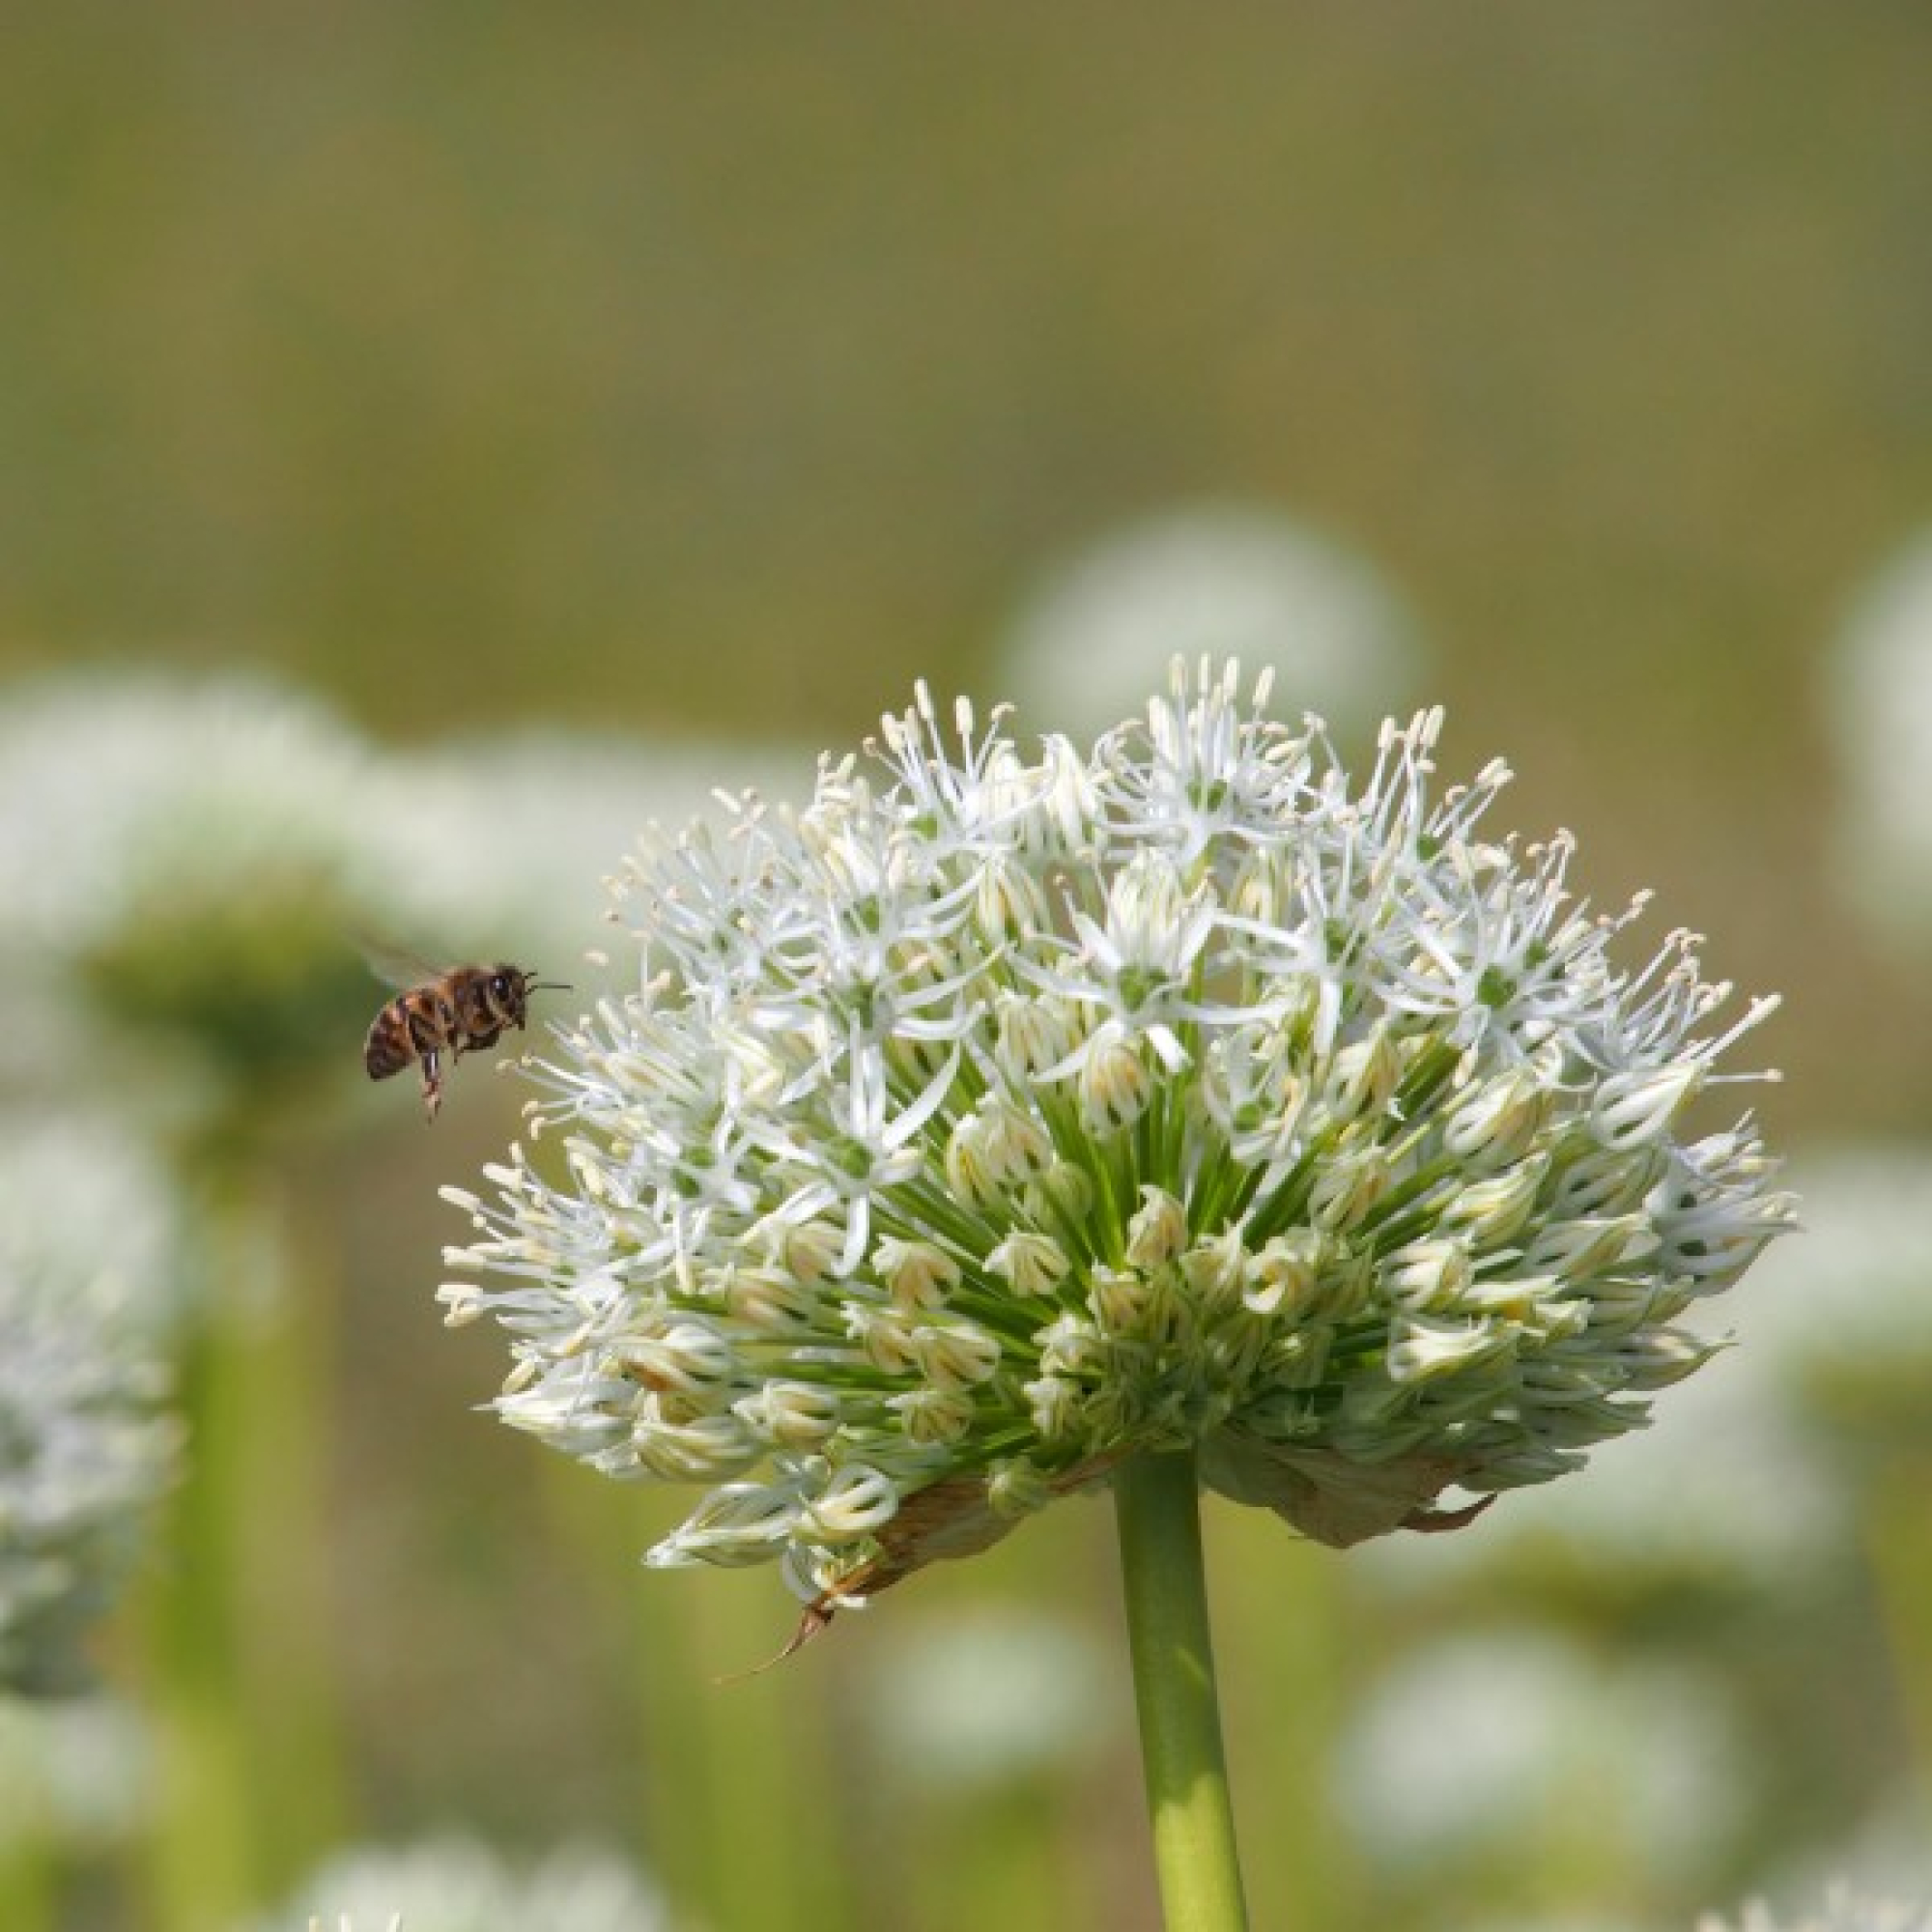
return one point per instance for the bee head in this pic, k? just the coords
(510, 987)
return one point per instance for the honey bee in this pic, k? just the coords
(461, 1010)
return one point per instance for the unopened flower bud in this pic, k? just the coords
(858, 1501)
(1031, 1263)
(1158, 1232)
(918, 1275)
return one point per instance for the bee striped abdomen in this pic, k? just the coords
(389, 1047)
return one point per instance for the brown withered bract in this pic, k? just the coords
(459, 1011)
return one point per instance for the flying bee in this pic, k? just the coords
(461, 1010)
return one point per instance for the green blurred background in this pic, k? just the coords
(712, 373)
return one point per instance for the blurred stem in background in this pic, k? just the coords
(1158, 1499)
(1899, 1538)
(29, 1882)
(235, 1619)
(741, 1806)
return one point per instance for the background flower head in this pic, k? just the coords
(1000, 1115)
(86, 1440)
(1222, 580)
(186, 865)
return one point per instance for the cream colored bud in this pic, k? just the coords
(1427, 1276)
(1655, 1360)
(1633, 1110)
(1010, 900)
(1034, 1034)
(1070, 1346)
(698, 1451)
(858, 1501)
(1491, 1211)
(1017, 1144)
(811, 1249)
(1031, 1263)
(1281, 1274)
(1054, 1405)
(793, 1415)
(1347, 1188)
(1158, 1232)
(1213, 1271)
(1064, 1189)
(1115, 1085)
(769, 1299)
(931, 1417)
(1363, 1077)
(918, 1275)
(737, 1523)
(1576, 1250)
(687, 1358)
(971, 1170)
(955, 1355)
(1497, 1121)
(1606, 1180)
(886, 1336)
(1421, 1350)
(1119, 1298)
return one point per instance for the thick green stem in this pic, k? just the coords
(1157, 1502)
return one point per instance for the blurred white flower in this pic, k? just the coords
(183, 864)
(1843, 1911)
(1878, 702)
(456, 1884)
(1727, 1489)
(1475, 1746)
(57, 1167)
(74, 1773)
(996, 1694)
(1215, 579)
(1848, 1307)
(85, 1445)
(506, 838)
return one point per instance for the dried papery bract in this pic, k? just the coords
(1008, 1112)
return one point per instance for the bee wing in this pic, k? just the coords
(394, 965)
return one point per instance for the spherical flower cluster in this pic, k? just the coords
(994, 1118)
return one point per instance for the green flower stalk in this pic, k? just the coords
(998, 1120)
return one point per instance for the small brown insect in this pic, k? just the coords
(459, 1011)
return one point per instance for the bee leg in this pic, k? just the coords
(432, 1083)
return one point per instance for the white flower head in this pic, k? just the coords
(1317, 1127)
